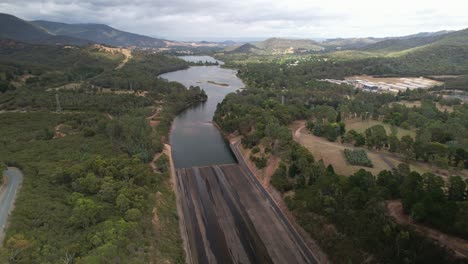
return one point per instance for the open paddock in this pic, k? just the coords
(360, 126)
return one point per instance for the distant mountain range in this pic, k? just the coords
(99, 33)
(46, 32)
(372, 45)
(407, 42)
(18, 29)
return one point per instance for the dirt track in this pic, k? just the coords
(460, 246)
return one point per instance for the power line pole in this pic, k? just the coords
(59, 107)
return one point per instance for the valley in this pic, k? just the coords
(134, 148)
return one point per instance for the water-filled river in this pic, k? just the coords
(194, 139)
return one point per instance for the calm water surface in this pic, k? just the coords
(194, 139)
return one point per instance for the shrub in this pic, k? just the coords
(260, 162)
(162, 164)
(280, 180)
(357, 157)
(255, 150)
(88, 132)
(133, 214)
(45, 134)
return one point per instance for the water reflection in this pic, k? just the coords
(194, 139)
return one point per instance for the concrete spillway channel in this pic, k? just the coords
(229, 219)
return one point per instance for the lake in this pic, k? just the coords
(194, 139)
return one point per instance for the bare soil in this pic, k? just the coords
(19, 82)
(58, 133)
(126, 52)
(391, 80)
(153, 118)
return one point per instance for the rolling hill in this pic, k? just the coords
(17, 29)
(418, 40)
(282, 45)
(246, 48)
(392, 45)
(349, 43)
(99, 33)
(368, 45)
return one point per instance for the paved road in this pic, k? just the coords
(13, 178)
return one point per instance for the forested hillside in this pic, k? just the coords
(98, 33)
(18, 29)
(399, 44)
(89, 195)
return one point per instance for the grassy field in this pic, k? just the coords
(333, 153)
(361, 126)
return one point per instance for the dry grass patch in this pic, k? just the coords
(332, 153)
(411, 104)
(361, 125)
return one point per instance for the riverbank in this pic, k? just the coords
(193, 138)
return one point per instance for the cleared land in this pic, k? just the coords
(228, 219)
(125, 52)
(392, 80)
(332, 153)
(360, 126)
(395, 83)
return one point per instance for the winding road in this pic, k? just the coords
(13, 180)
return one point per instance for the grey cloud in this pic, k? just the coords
(185, 19)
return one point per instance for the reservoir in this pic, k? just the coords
(194, 139)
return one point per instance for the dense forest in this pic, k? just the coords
(89, 195)
(347, 212)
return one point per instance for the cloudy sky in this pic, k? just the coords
(249, 19)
